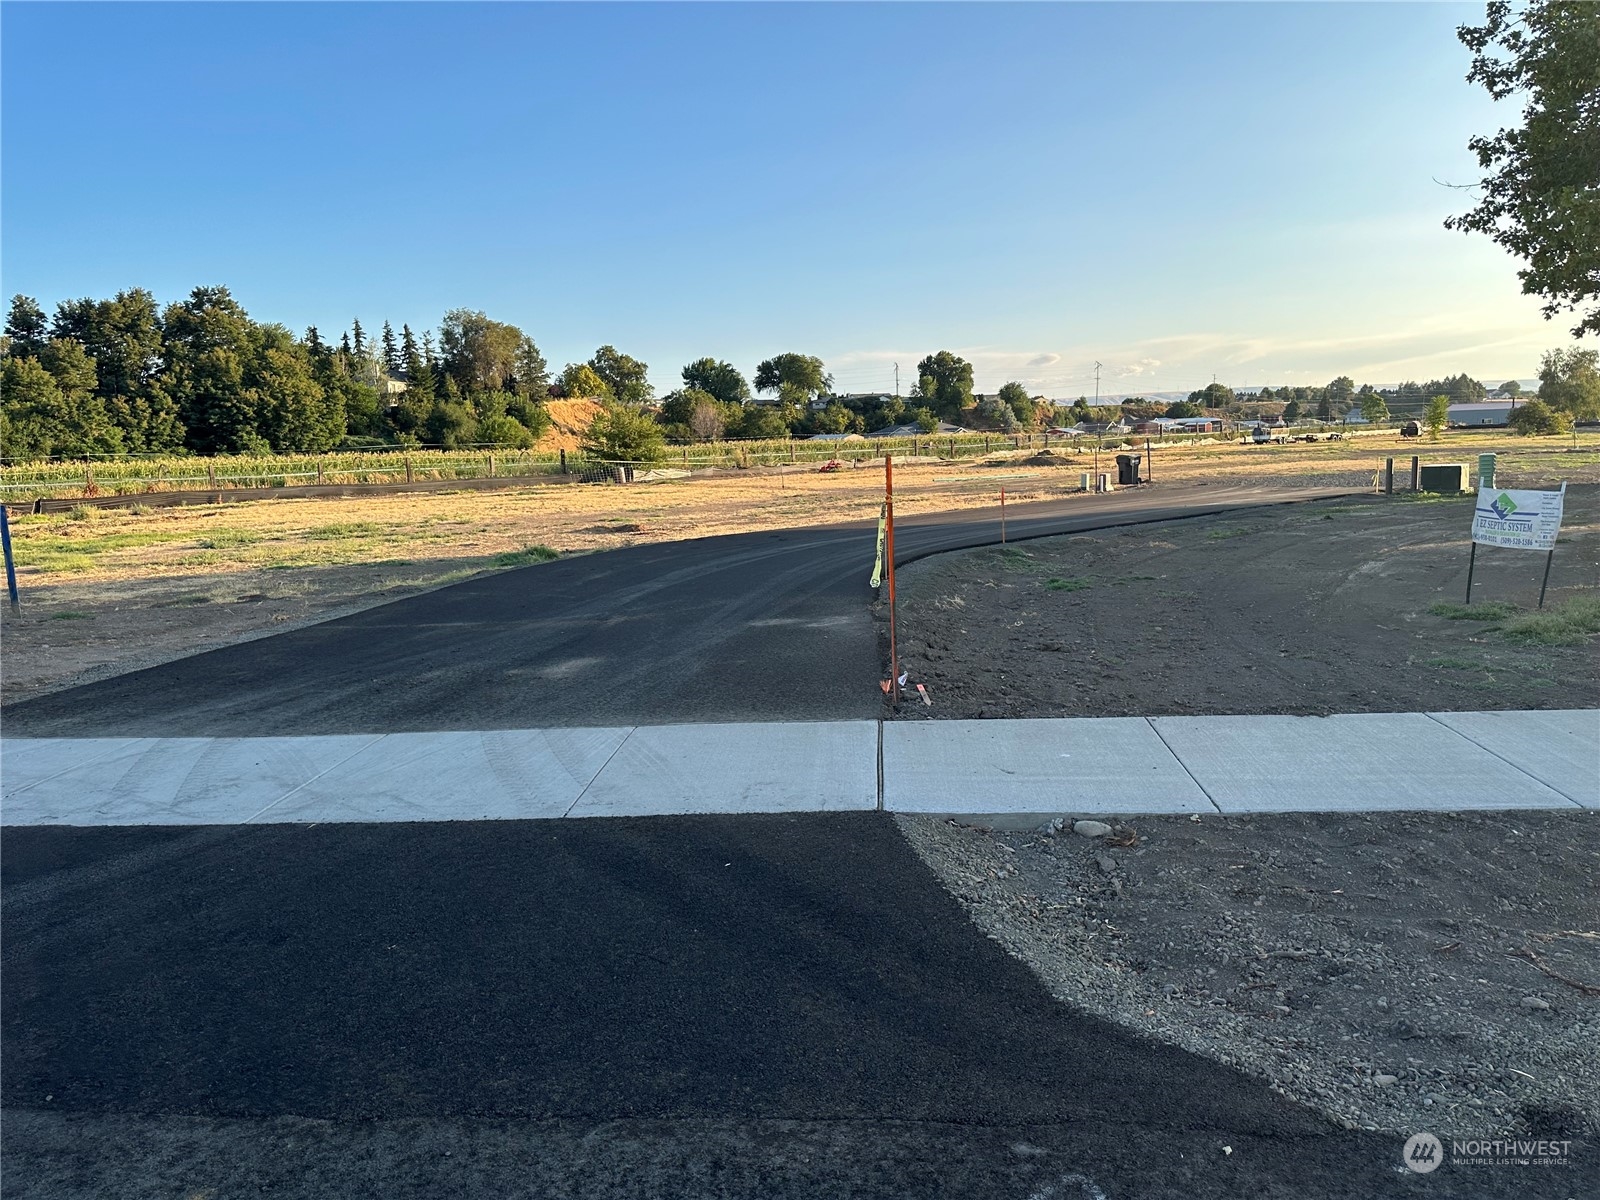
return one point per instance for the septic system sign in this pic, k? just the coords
(1517, 520)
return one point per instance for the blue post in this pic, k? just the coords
(11, 566)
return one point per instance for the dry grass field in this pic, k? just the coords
(107, 590)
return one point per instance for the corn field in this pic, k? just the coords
(132, 474)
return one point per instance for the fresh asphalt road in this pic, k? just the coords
(765, 1007)
(750, 627)
(774, 1007)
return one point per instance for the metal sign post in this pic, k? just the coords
(11, 566)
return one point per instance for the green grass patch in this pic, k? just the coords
(1572, 624)
(52, 552)
(1430, 497)
(1492, 610)
(71, 616)
(527, 556)
(1012, 558)
(345, 529)
(223, 539)
(1068, 585)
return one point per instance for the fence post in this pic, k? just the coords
(563, 462)
(1416, 473)
(491, 466)
(409, 477)
(1388, 477)
(11, 566)
(319, 470)
(211, 475)
(791, 450)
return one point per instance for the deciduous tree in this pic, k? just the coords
(944, 383)
(802, 375)
(579, 381)
(1540, 196)
(623, 433)
(1436, 416)
(1569, 381)
(719, 380)
(625, 376)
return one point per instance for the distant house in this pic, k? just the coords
(911, 429)
(1482, 412)
(836, 437)
(1172, 425)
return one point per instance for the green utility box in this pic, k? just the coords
(1444, 478)
(1485, 470)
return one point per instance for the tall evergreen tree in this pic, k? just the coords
(409, 353)
(391, 355)
(26, 331)
(344, 344)
(358, 338)
(207, 346)
(124, 336)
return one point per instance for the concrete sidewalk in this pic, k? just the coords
(1011, 771)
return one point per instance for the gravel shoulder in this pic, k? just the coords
(1397, 972)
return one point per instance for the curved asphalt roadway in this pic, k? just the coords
(762, 1006)
(749, 627)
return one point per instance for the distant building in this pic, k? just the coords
(1177, 425)
(911, 429)
(836, 437)
(1482, 412)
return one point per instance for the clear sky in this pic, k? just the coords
(1250, 190)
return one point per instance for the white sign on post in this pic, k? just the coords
(1517, 520)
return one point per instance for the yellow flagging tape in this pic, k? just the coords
(883, 528)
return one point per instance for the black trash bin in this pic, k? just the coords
(1128, 469)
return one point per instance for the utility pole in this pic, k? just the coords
(1097, 384)
(897, 381)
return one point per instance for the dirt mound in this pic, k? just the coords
(569, 420)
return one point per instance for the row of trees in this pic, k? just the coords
(126, 376)
(123, 375)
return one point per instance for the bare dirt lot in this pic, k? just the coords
(111, 590)
(1395, 971)
(1339, 606)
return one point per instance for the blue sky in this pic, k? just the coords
(1250, 190)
